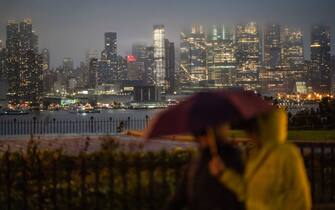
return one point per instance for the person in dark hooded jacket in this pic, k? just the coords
(198, 189)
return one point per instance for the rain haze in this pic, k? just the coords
(68, 28)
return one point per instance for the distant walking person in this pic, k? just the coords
(275, 177)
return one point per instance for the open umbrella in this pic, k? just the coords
(207, 109)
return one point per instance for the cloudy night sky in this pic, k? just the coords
(70, 27)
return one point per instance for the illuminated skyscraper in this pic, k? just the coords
(135, 69)
(24, 64)
(248, 46)
(220, 32)
(67, 71)
(221, 61)
(26, 35)
(49, 76)
(145, 54)
(68, 65)
(31, 78)
(91, 53)
(170, 66)
(159, 54)
(34, 41)
(46, 59)
(110, 46)
(272, 46)
(3, 57)
(105, 74)
(149, 62)
(193, 55)
(139, 50)
(320, 56)
(110, 59)
(292, 47)
(121, 69)
(13, 71)
(247, 54)
(93, 73)
(333, 74)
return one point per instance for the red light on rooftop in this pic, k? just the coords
(131, 58)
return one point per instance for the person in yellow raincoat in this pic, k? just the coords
(275, 177)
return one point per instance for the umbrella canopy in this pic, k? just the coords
(207, 109)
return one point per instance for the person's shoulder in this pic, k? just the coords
(289, 147)
(288, 151)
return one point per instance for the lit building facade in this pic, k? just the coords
(45, 59)
(31, 78)
(221, 61)
(248, 53)
(170, 66)
(121, 69)
(91, 53)
(272, 46)
(68, 68)
(139, 50)
(13, 55)
(220, 32)
(111, 46)
(248, 46)
(135, 69)
(48, 75)
(105, 74)
(28, 38)
(320, 57)
(159, 55)
(292, 51)
(149, 62)
(24, 64)
(145, 54)
(333, 74)
(3, 68)
(193, 55)
(93, 73)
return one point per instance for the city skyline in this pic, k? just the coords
(68, 30)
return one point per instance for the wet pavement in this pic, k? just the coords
(74, 144)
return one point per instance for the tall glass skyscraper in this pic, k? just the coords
(320, 56)
(170, 66)
(24, 64)
(220, 32)
(247, 55)
(3, 55)
(248, 46)
(159, 54)
(292, 52)
(110, 46)
(221, 61)
(333, 74)
(12, 45)
(45, 59)
(193, 55)
(272, 46)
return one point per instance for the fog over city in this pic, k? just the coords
(69, 28)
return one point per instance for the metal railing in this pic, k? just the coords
(75, 126)
(319, 158)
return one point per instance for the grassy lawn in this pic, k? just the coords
(305, 135)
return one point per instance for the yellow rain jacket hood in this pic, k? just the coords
(275, 177)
